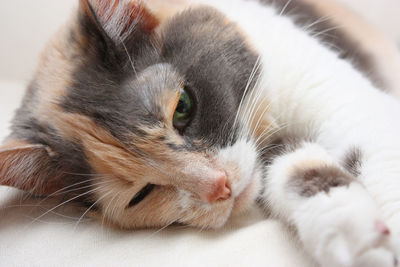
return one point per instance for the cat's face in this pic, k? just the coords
(139, 120)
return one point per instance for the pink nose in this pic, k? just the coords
(219, 189)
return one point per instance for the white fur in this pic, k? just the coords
(337, 228)
(244, 156)
(315, 94)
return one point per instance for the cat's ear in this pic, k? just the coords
(28, 167)
(118, 21)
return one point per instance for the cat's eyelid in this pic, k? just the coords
(173, 105)
(141, 195)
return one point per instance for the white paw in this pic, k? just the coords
(346, 230)
(343, 249)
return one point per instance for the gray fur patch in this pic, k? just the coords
(213, 56)
(308, 182)
(353, 161)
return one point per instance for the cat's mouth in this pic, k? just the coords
(246, 197)
(241, 164)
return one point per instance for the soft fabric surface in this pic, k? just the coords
(32, 236)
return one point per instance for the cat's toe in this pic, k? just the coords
(382, 251)
(376, 249)
(377, 257)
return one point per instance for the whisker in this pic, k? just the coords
(108, 206)
(252, 74)
(87, 210)
(62, 191)
(316, 22)
(254, 105)
(63, 203)
(285, 7)
(160, 230)
(326, 31)
(268, 133)
(129, 57)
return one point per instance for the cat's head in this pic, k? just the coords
(139, 120)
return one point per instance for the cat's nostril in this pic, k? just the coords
(221, 189)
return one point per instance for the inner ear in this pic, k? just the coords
(119, 20)
(28, 167)
(113, 32)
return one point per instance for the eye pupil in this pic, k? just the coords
(184, 110)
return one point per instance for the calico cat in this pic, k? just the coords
(147, 122)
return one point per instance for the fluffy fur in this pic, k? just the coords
(99, 115)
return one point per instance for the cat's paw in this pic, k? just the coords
(377, 257)
(344, 250)
(346, 230)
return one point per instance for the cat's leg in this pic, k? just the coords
(336, 219)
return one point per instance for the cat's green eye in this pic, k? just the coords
(184, 110)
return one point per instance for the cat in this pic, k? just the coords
(148, 122)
